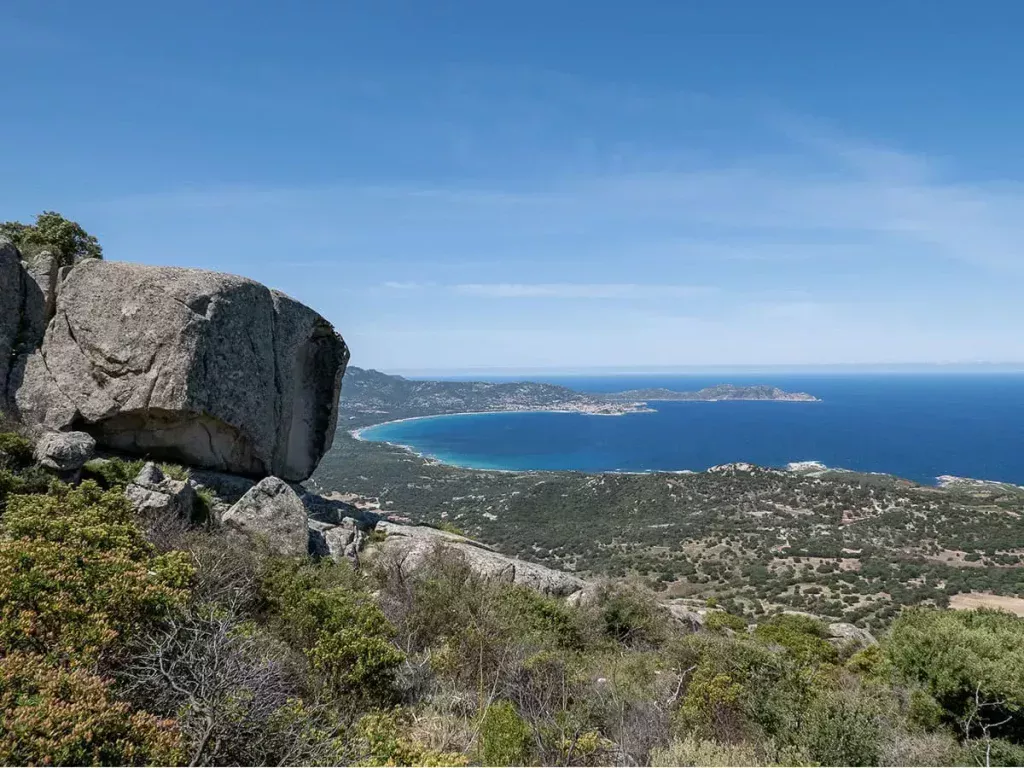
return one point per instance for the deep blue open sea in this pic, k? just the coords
(916, 426)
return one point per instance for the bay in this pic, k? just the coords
(917, 426)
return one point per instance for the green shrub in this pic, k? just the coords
(504, 737)
(66, 239)
(15, 450)
(77, 575)
(802, 636)
(174, 471)
(448, 527)
(382, 739)
(113, 473)
(715, 621)
(54, 715)
(544, 620)
(634, 618)
(705, 752)
(26, 481)
(971, 662)
(846, 726)
(322, 609)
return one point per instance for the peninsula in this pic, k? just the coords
(717, 392)
(371, 397)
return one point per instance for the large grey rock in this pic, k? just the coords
(152, 493)
(40, 299)
(272, 512)
(208, 369)
(410, 548)
(65, 451)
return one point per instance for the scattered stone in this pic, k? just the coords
(213, 370)
(152, 493)
(220, 489)
(65, 452)
(271, 511)
(345, 541)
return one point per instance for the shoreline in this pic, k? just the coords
(809, 467)
(357, 432)
(806, 467)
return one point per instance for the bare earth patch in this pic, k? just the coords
(971, 600)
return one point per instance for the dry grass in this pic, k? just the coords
(973, 600)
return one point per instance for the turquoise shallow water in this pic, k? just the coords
(916, 426)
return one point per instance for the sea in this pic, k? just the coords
(914, 425)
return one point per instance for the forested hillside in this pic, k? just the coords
(840, 544)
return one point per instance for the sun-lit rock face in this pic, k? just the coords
(208, 369)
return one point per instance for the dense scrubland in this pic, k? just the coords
(838, 544)
(127, 640)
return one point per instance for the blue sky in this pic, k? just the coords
(551, 184)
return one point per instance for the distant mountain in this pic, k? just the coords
(369, 396)
(717, 392)
(366, 392)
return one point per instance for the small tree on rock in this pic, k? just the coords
(66, 239)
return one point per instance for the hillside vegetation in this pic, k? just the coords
(124, 640)
(839, 544)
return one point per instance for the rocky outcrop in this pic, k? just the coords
(197, 367)
(840, 634)
(410, 546)
(338, 542)
(273, 513)
(28, 293)
(64, 452)
(10, 308)
(152, 493)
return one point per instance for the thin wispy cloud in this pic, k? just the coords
(578, 290)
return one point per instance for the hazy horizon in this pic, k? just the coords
(937, 368)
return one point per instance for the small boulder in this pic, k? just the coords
(65, 452)
(153, 493)
(273, 512)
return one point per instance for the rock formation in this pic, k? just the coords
(198, 367)
(272, 512)
(152, 493)
(409, 547)
(11, 297)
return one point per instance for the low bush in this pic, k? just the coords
(716, 621)
(504, 737)
(324, 610)
(77, 576)
(52, 714)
